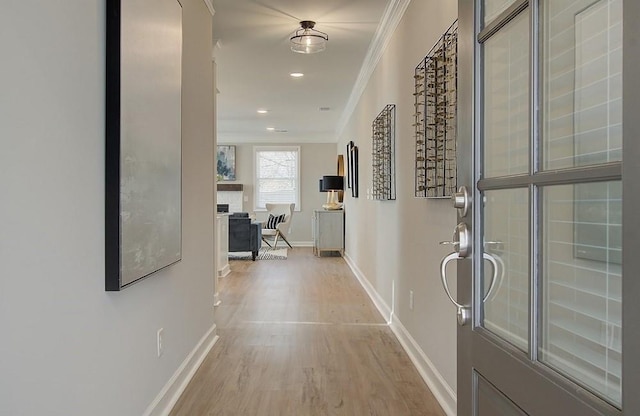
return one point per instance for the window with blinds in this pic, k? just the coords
(277, 175)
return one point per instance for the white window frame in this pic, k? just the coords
(256, 151)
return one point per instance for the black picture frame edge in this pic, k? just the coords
(354, 189)
(112, 147)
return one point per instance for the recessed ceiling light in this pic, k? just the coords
(271, 128)
(261, 111)
(297, 74)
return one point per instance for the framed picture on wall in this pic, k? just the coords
(143, 129)
(226, 163)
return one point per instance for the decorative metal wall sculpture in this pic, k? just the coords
(435, 118)
(384, 164)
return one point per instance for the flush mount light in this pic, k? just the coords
(271, 128)
(296, 74)
(307, 39)
(262, 111)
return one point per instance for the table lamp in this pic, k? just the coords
(332, 184)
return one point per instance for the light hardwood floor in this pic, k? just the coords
(301, 337)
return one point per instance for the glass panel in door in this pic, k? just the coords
(582, 82)
(581, 68)
(506, 100)
(506, 240)
(493, 8)
(582, 285)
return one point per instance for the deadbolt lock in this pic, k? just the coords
(462, 201)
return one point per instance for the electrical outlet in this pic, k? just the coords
(411, 299)
(159, 339)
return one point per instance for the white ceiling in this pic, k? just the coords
(254, 61)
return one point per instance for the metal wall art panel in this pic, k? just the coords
(435, 118)
(383, 154)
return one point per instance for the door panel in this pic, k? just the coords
(491, 402)
(540, 149)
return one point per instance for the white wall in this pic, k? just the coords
(396, 242)
(67, 347)
(316, 159)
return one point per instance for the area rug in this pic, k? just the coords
(263, 254)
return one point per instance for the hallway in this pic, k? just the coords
(301, 337)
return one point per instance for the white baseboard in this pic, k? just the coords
(302, 243)
(171, 392)
(216, 299)
(224, 271)
(380, 304)
(445, 395)
(441, 390)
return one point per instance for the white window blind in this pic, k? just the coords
(277, 176)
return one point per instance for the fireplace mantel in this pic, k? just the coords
(230, 187)
(232, 194)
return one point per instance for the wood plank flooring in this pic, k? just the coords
(301, 337)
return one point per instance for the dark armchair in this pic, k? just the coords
(244, 235)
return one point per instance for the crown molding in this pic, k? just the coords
(388, 24)
(209, 6)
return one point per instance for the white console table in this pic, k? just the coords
(328, 231)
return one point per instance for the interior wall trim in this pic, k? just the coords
(377, 300)
(444, 394)
(302, 243)
(171, 392)
(209, 6)
(388, 24)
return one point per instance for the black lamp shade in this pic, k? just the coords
(332, 183)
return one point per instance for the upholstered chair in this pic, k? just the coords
(282, 229)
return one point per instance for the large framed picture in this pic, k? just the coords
(226, 164)
(143, 201)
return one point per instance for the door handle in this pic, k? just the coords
(463, 312)
(494, 278)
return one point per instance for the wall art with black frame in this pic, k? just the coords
(143, 201)
(352, 168)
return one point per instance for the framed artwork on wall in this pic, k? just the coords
(143, 129)
(352, 168)
(226, 163)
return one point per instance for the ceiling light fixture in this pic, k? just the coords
(271, 128)
(307, 39)
(296, 74)
(261, 111)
